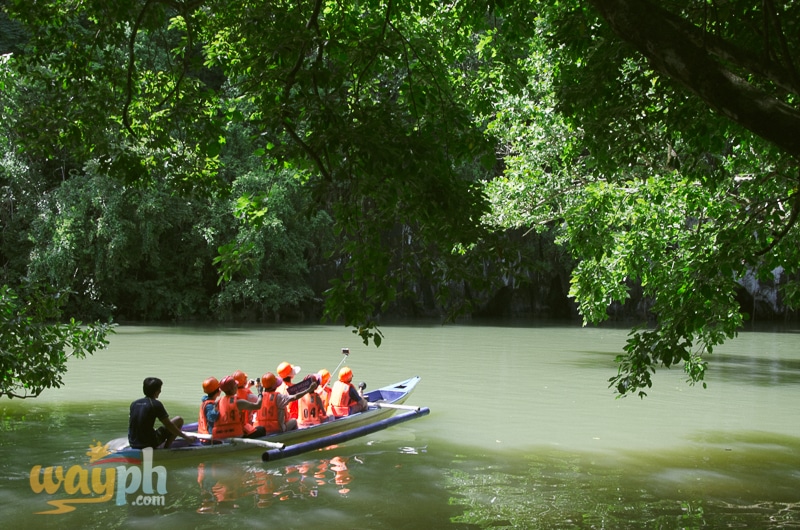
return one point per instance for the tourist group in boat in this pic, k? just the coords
(239, 407)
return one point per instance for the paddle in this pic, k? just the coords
(250, 441)
(255, 441)
(383, 405)
(198, 435)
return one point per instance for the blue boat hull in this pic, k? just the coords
(319, 443)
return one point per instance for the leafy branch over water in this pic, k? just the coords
(35, 346)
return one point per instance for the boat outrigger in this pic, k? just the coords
(384, 403)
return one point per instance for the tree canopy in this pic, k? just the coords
(661, 139)
(658, 143)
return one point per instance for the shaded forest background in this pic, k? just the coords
(145, 253)
(171, 160)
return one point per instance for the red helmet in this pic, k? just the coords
(324, 376)
(270, 382)
(210, 385)
(345, 375)
(240, 378)
(228, 385)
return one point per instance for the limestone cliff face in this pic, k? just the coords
(762, 299)
(547, 297)
(544, 295)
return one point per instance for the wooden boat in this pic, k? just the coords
(384, 403)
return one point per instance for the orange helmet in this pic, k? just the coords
(228, 385)
(270, 382)
(240, 378)
(210, 385)
(286, 370)
(324, 377)
(345, 375)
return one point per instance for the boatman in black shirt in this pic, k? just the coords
(145, 411)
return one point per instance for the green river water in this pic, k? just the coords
(523, 433)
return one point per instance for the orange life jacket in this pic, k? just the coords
(267, 415)
(247, 415)
(311, 410)
(340, 399)
(229, 423)
(202, 421)
(291, 409)
(324, 392)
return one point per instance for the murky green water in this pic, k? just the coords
(523, 433)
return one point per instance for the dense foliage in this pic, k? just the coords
(669, 182)
(34, 349)
(214, 158)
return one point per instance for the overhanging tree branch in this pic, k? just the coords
(790, 223)
(769, 7)
(126, 118)
(669, 43)
(185, 10)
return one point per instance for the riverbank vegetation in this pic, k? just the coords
(303, 160)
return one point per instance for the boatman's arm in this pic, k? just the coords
(175, 431)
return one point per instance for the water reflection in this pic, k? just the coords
(743, 481)
(756, 370)
(572, 457)
(226, 487)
